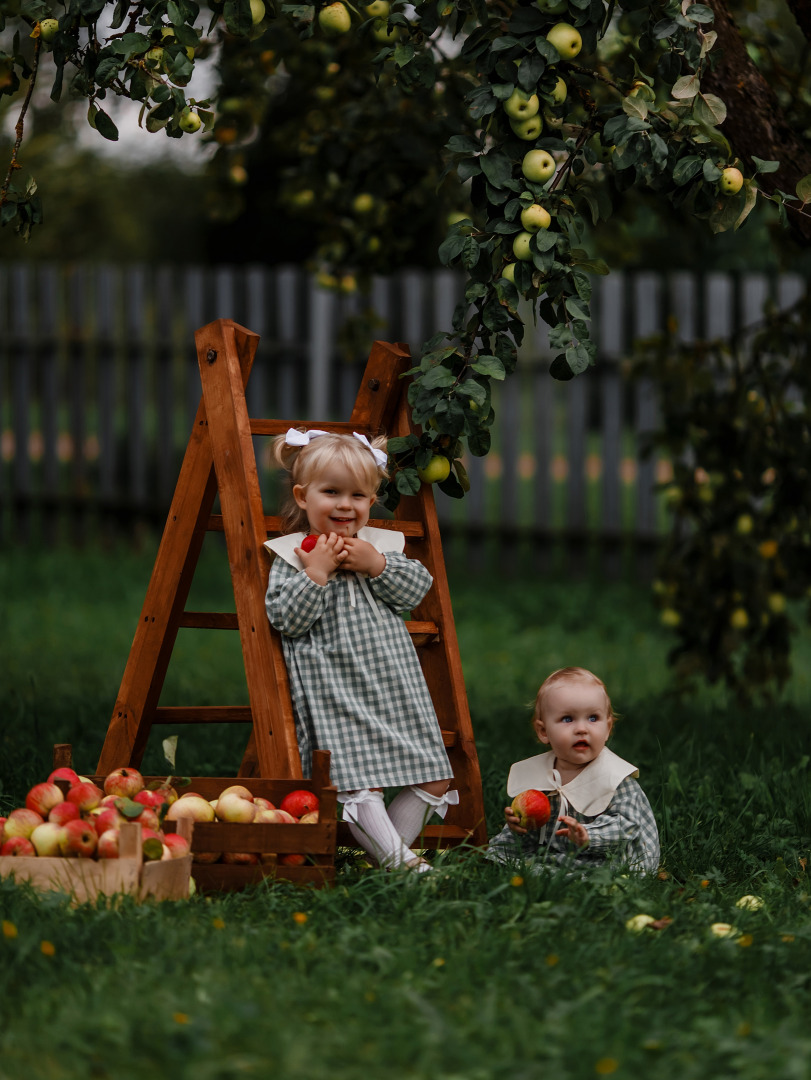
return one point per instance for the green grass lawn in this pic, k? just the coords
(475, 972)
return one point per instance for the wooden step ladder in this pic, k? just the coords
(220, 460)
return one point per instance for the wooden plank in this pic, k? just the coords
(273, 524)
(203, 714)
(241, 502)
(166, 595)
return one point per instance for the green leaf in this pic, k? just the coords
(686, 87)
(105, 126)
(400, 444)
(403, 54)
(238, 17)
(170, 749)
(407, 481)
(576, 309)
(803, 189)
(686, 168)
(762, 166)
(709, 109)
(438, 376)
(560, 370)
(463, 144)
(750, 191)
(479, 444)
(128, 807)
(578, 359)
(497, 167)
(451, 248)
(489, 365)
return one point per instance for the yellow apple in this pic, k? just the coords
(529, 129)
(521, 248)
(508, 272)
(731, 181)
(565, 39)
(257, 11)
(535, 218)
(538, 166)
(48, 29)
(521, 106)
(334, 19)
(189, 121)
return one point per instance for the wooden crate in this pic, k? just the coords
(317, 842)
(87, 879)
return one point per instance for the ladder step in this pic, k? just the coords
(414, 530)
(227, 714)
(203, 714)
(421, 632)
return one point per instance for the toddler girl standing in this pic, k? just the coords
(355, 680)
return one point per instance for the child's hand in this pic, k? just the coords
(327, 555)
(512, 820)
(575, 830)
(362, 558)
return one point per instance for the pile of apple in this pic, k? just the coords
(84, 820)
(237, 804)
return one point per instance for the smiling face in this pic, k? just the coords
(334, 501)
(574, 720)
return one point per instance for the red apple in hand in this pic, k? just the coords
(531, 808)
(299, 802)
(309, 542)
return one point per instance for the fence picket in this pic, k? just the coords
(99, 386)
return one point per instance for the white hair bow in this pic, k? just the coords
(294, 437)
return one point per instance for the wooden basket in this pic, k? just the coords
(316, 842)
(87, 879)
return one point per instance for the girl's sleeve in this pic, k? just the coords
(403, 583)
(627, 827)
(293, 601)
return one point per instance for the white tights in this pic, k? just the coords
(388, 836)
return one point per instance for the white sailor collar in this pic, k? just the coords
(591, 790)
(382, 540)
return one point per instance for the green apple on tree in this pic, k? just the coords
(565, 39)
(334, 19)
(378, 9)
(521, 248)
(385, 34)
(529, 129)
(731, 181)
(538, 166)
(521, 106)
(257, 11)
(535, 218)
(48, 29)
(189, 121)
(553, 7)
(437, 470)
(508, 272)
(560, 93)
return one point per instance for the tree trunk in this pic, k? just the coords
(755, 124)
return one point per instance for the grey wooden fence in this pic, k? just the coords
(99, 385)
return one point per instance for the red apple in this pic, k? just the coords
(108, 844)
(309, 542)
(266, 817)
(123, 781)
(2, 827)
(205, 858)
(153, 799)
(63, 812)
(148, 818)
(86, 795)
(178, 846)
(64, 773)
(78, 839)
(240, 858)
(283, 818)
(105, 818)
(299, 802)
(292, 860)
(263, 804)
(532, 808)
(21, 823)
(46, 839)
(42, 797)
(18, 845)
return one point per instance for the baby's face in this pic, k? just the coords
(575, 722)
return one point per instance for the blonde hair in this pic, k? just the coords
(305, 463)
(564, 675)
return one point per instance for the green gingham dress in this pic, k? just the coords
(355, 679)
(606, 798)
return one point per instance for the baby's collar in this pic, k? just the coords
(383, 540)
(591, 790)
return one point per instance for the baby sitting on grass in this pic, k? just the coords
(599, 813)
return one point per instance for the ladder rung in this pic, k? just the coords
(421, 632)
(414, 530)
(203, 714)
